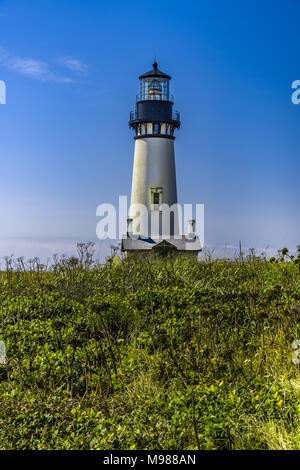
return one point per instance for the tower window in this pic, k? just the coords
(155, 198)
(156, 128)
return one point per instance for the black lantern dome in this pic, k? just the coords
(155, 73)
(154, 115)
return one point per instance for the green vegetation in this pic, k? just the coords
(160, 354)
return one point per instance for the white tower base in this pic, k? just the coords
(153, 182)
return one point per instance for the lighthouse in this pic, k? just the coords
(154, 222)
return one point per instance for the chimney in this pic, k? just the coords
(191, 228)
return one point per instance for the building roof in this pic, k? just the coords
(155, 73)
(145, 244)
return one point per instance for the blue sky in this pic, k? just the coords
(71, 71)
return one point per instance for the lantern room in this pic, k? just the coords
(154, 85)
(154, 115)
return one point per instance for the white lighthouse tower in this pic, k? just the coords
(154, 176)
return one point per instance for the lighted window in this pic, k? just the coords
(155, 89)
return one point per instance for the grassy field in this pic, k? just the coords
(154, 354)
